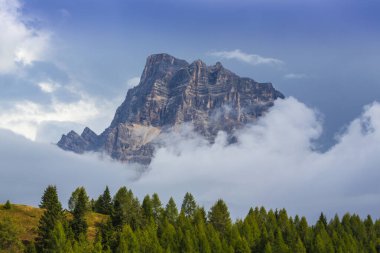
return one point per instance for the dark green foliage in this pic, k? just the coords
(79, 224)
(52, 215)
(75, 198)
(157, 207)
(126, 210)
(147, 208)
(188, 205)
(59, 242)
(149, 227)
(104, 203)
(171, 211)
(219, 217)
(7, 205)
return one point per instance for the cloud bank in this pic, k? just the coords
(253, 59)
(275, 164)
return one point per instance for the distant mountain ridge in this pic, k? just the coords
(172, 92)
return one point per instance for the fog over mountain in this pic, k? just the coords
(274, 164)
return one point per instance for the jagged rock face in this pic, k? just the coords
(171, 92)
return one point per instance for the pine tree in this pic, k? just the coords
(171, 211)
(98, 247)
(168, 239)
(52, 215)
(279, 245)
(126, 210)
(299, 247)
(7, 205)
(148, 239)
(147, 208)
(59, 242)
(203, 243)
(75, 198)
(107, 233)
(79, 224)
(156, 207)
(127, 241)
(104, 203)
(188, 205)
(219, 217)
(214, 240)
(268, 248)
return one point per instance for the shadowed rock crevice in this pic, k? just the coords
(172, 92)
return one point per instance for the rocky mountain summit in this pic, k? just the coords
(172, 92)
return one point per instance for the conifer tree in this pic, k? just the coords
(7, 205)
(51, 216)
(168, 238)
(127, 241)
(299, 247)
(268, 248)
(219, 217)
(156, 207)
(188, 205)
(171, 211)
(148, 239)
(104, 203)
(79, 224)
(147, 208)
(75, 198)
(59, 242)
(98, 247)
(214, 240)
(126, 210)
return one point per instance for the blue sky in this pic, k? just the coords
(68, 64)
(329, 49)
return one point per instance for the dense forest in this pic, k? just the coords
(151, 226)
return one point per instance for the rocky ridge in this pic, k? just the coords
(172, 92)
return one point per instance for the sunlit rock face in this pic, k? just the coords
(172, 92)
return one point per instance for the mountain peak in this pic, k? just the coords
(172, 92)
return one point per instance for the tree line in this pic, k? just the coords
(153, 227)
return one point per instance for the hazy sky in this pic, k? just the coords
(68, 64)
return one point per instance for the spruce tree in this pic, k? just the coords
(171, 211)
(59, 243)
(104, 203)
(51, 216)
(147, 208)
(156, 207)
(74, 199)
(188, 205)
(126, 210)
(219, 217)
(7, 205)
(79, 224)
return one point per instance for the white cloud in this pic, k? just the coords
(274, 164)
(295, 76)
(48, 87)
(253, 59)
(133, 82)
(20, 43)
(26, 117)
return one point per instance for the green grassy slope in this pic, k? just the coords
(26, 220)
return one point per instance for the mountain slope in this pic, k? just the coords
(172, 92)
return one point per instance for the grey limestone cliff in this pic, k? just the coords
(171, 92)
